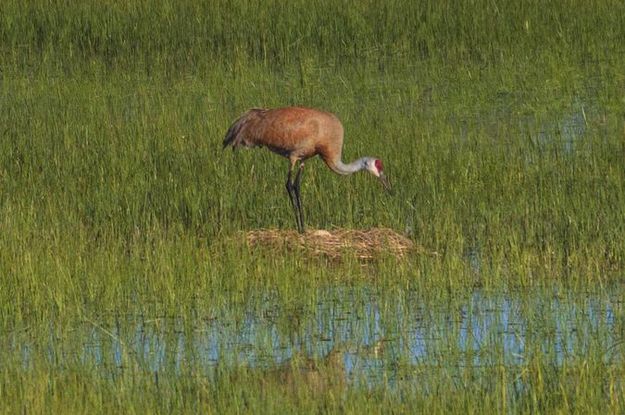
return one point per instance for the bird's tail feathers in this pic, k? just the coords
(235, 135)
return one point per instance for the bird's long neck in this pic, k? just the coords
(339, 167)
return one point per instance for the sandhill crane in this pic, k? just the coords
(299, 134)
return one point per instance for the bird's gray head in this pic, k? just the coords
(375, 167)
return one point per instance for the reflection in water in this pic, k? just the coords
(373, 334)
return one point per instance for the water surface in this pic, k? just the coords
(378, 334)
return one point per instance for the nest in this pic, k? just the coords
(365, 244)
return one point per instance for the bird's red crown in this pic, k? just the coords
(378, 165)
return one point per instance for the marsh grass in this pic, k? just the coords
(141, 363)
(500, 124)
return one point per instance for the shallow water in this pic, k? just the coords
(379, 334)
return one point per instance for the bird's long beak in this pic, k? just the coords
(385, 182)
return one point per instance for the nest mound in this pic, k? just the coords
(366, 244)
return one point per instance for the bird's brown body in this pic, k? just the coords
(294, 132)
(298, 134)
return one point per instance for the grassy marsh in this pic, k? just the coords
(501, 125)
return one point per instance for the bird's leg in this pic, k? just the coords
(298, 196)
(290, 188)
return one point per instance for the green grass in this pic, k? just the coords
(500, 123)
(138, 363)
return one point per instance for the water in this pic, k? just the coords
(379, 334)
